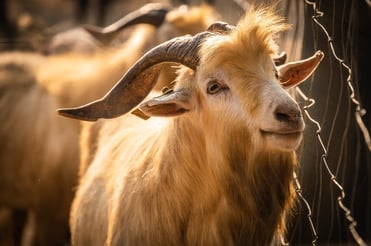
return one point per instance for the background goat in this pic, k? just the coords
(218, 169)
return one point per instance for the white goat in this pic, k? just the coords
(39, 150)
(217, 168)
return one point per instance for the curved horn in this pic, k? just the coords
(138, 82)
(152, 13)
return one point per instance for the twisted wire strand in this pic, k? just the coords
(359, 111)
(299, 192)
(341, 197)
(358, 114)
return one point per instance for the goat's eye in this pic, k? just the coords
(214, 87)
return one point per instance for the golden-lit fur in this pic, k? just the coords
(39, 150)
(38, 153)
(238, 47)
(206, 177)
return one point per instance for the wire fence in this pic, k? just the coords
(317, 14)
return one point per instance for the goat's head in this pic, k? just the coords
(232, 78)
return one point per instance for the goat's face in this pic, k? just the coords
(239, 86)
(248, 96)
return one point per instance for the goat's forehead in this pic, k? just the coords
(237, 53)
(238, 62)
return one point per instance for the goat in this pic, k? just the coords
(214, 165)
(39, 152)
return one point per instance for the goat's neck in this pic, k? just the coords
(253, 186)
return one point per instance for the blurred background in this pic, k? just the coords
(31, 25)
(25, 22)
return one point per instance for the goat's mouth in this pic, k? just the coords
(284, 140)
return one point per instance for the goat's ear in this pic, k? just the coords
(171, 103)
(293, 73)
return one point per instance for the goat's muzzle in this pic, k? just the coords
(286, 128)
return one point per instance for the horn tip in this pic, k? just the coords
(75, 113)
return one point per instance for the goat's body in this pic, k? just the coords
(144, 195)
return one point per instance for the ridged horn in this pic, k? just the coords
(152, 13)
(139, 80)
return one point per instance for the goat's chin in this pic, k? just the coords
(283, 141)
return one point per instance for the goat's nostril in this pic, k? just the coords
(282, 117)
(287, 114)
